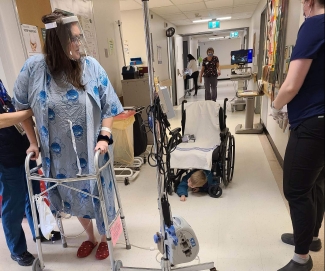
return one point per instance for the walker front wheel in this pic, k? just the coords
(126, 181)
(118, 265)
(36, 265)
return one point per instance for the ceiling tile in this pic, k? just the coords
(219, 3)
(183, 2)
(129, 5)
(175, 16)
(157, 3)
(197, 14)
(181, 22)
(220, 12)
(242, 15)
(192, 7)
(245, 8)
(166, 10)
(244, 2)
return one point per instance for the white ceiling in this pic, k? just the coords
(183, 12)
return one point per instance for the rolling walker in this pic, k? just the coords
(31, 174)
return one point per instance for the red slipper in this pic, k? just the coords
(102, 251)
(85, 249)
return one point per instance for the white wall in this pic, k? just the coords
(222, 49)
(193, 47)
(203, 27)
(106, 14)
(11, 48)
(133, 34)
(179, 66)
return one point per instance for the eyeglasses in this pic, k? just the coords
(76, 40)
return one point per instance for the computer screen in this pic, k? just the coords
(241, 56)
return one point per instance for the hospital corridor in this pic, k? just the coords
(162, 135)
(240, 231)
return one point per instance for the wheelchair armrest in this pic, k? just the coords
(175, 131)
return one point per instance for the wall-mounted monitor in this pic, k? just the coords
(241, 57)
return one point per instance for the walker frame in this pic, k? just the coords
(31, 174)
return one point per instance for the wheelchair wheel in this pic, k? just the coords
(215, 191)
(226, 161)
(232, 156)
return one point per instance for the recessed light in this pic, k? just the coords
(223, 18)
(202, 20)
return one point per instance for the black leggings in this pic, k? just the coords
(303, 181)
(195, 76)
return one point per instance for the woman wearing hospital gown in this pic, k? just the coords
(74, 103)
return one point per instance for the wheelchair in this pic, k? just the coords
(222, 159)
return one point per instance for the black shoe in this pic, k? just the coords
(25, 259)
(288, 239)
(294, 266)
(56, 235)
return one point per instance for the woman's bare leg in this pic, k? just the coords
(89, 229)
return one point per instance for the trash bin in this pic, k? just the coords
(123, 137)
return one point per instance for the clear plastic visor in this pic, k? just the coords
(71, 36)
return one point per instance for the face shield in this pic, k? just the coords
(71, 36)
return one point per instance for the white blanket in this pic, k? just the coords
(202, 120)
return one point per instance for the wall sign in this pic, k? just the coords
(234, 35)
(31, 39)
(213, 24)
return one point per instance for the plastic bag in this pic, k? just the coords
(46, 218)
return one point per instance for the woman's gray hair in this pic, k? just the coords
(210, 49)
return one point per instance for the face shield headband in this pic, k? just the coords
(71, 36)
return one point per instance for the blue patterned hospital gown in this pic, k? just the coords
(65, 115)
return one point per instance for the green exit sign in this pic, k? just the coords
(234, 34)
(213, 24)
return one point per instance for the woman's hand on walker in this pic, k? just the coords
(33, 147)
(102, 145)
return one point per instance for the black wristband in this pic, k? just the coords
(109, 140)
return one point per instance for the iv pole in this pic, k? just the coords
(119, 23)
(165, 262)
